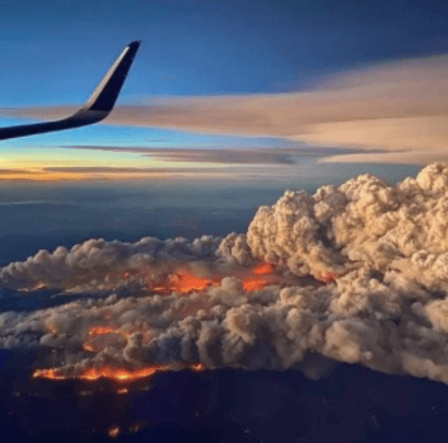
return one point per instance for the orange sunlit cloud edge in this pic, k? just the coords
(139, 163)
(220, 172)
(107, 174)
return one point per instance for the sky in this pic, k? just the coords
(56, 54)
(230, 106)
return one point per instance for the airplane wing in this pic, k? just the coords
(97, 108)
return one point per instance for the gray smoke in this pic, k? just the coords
(382, 252)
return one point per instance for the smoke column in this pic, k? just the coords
(355, 273)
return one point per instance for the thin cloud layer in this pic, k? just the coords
(399, 106)
(105, 173)
(11, 172)
(228, 156)
(356, 273)
(170, 163)
(114, 170)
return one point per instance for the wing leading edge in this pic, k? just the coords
(98, 106)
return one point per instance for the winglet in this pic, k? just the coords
(106, 93)
(97, 107)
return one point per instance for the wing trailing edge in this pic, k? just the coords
(98, 106)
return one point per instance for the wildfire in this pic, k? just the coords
(104, 335)
(121, 375)
(114, 431)
(185, 281)
(253, 284)
(264, 269)
(101, 336)
(197, 367)
(327, 276)
(108, 333)
(122, 391)
(89, 347)
(189, 282)
(258, 279)
(103, 330)
(52, 374)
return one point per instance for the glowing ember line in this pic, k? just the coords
(120, 374)
(101, 336)
(327, 276)
(185, 281)
(103, 330)
(114, 431)
(88, 347)
(52, 374)
(197, 367)
(264, 269)
(112, 373)
(253, 284)
(122, 391)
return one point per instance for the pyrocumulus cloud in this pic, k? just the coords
(357, 274)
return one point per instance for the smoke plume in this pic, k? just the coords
(355, 273)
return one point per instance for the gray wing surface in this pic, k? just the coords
(98, 106)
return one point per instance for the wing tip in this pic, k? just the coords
(105, 95)
(134, 45)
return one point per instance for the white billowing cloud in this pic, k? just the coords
(363, 222)
(382, 252)
(98, 260)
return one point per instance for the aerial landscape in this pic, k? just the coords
(224, 221)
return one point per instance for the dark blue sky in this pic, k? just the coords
(56, 51)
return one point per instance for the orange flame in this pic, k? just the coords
(89, 347)
(188, 282)
(114, 431)
(122, 391)
(101, 336)
(185, 281)
(104, 335)
(264, 269)
(103, 330)
(52, 374)
(327, 276)
(253, 284)
(257, 281)
(121, 375)
(197, 367)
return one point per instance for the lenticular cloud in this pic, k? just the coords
(355, 273)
